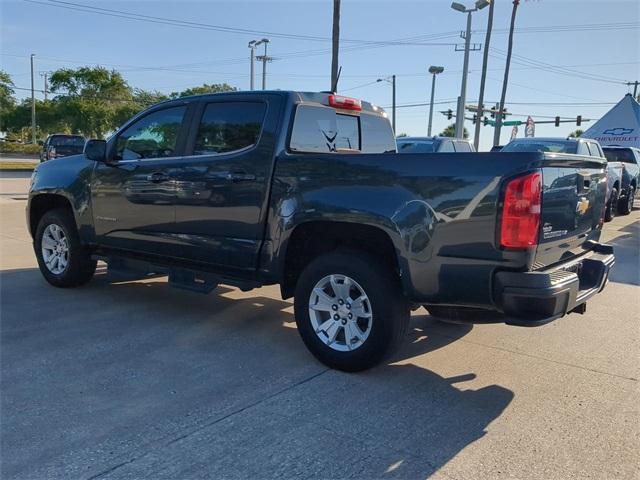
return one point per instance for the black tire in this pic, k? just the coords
(389, 309)
(612, 206)
(80, 267)
(625, 205)
(463, 315)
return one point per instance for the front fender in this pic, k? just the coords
(69, 178)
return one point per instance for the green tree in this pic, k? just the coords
(91, 100)
(204, 88)
(577, 133)
(7, 100)
(450, 131)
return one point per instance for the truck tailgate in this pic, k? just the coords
(574, 190)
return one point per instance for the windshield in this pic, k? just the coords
(67, 141)
(550, 146)
(615, 155)
(417, 146)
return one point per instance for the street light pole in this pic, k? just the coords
(393, 98)
(33, 104)
(393, 103)
(434, 71)
(252, 46)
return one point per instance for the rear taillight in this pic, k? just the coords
(345, 103)
(521, 212)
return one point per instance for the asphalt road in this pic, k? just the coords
(139, 380)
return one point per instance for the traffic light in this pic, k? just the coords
(579, 120)
(485, 121)
(475, 118)
(449, 114)
(504, 113)
(557, 121)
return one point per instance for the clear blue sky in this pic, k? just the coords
(595, 58)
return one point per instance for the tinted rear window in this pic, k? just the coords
(616, 155)
(546, 146)
(323, 130)
(417, 146)
(67, 141)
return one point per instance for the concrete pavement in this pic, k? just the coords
(139, 380)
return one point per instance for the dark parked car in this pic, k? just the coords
(306, 190)
(433, 145)
(629, 158)
(61, 145)
(576, 146)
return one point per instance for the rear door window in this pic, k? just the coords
(447, 147)
(228, 127)
(462, 147)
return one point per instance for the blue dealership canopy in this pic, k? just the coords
(620, 126)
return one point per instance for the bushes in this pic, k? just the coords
(27, 149)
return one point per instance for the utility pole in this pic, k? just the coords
(335, 45)
(434, 71)
(264, 58)
(483, 78)
(496, 133)
(479, 5)
(463, 88)
(33, 105)
(635, 87)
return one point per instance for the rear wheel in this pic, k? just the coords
(612, 206)
(63, 260)
(350, 310)
(626, 204)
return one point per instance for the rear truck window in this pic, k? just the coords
(625, 156)
(318, 129)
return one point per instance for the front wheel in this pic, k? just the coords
(63, 260)
(350, 310)
(626, 204)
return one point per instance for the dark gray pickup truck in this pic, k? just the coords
(306, 190)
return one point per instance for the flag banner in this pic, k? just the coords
(530, 130)
(514, 132)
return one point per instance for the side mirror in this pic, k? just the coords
(96, 150)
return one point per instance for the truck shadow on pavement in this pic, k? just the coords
(137, 379)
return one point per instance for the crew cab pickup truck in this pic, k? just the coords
(306, 190)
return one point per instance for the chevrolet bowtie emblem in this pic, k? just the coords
(582, 206)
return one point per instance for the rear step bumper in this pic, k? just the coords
(535, 298)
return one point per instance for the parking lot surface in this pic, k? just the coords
(134, 379)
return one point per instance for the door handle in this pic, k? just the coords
(157, 177)
(240, 177)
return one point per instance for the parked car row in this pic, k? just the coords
(623, 163)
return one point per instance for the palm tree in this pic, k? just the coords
(577, 133)
(450, 131)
